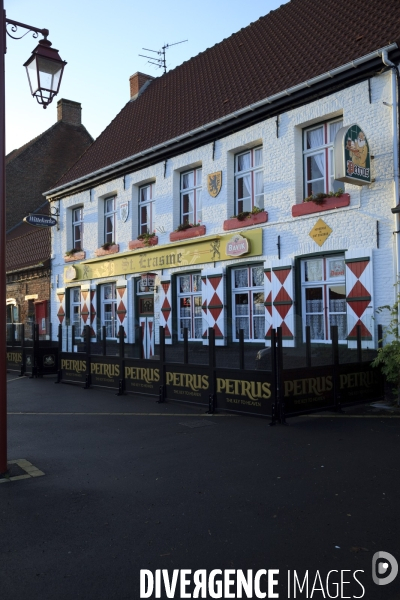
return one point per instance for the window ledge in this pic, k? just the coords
(111, 250)
(76, 256)
(235, 223)
(192, 232)
(308, 208)
(135, 244)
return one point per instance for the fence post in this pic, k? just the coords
(241, 349)
(104, 340)
(87, 352)
(59, 342)
(335, 367)
(34, 349)
(121, 335)
(279, 377)
(380, 336)
(275, 405)
(308, 346)
(211, 364)
(73, 338)
(161, 397)
(359, 349)
(22, 336)
(121, 382)
(12, 334)
(185, 346)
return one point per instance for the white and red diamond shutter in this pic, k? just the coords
(282, 299)
(204, 310)
(216, 303)
(61, 307)
(122, 303)
(85, 311)
(166, 309)
(359, 295)
(93, 301)
(268, 301)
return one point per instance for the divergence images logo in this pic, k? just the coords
(384, 568)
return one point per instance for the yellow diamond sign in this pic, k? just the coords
(320, 232)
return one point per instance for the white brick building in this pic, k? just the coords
(150, 172)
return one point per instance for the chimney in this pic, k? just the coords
(69, 112)
(138, 82)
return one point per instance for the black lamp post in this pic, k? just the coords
(45, 69)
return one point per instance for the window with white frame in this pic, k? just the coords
(191, 196)
(318, 158)
(108, 299)
(249, 184)
(248, 311)
(77, 228)
(110, 212)
(189, 306)
(324, 297)
(75, 309)
(146, 198)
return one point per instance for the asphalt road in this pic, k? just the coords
(130, 484)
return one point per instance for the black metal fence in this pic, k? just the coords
(283, 382)
(28, 353)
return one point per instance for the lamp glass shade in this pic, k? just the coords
(44, 70)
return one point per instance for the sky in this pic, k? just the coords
(101, 42)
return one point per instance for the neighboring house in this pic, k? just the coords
(232, 142)
(30, 170)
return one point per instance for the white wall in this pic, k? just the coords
(353, 226)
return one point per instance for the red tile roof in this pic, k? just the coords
(298, 41)
(28, 249)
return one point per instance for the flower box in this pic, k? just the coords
(186, 234)
(111, 250)
(75, 256)
(308, 208)
(256, 219)
(135, 244)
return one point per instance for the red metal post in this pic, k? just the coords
(3, 347)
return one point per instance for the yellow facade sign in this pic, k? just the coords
(182, 254)
(320, 232)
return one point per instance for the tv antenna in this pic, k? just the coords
(160, 62)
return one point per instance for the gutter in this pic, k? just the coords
(100, 173)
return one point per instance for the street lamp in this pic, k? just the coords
(45, 69)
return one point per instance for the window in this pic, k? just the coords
(75, 312)
(324, 297)
(318, 158)
(77, 228)
(249, 185)
(248, 303)
(146, 194)
(109, 220)
(189, 306)
(108, 300)
(191, 196)
(12, 313)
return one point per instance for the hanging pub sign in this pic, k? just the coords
(40, 220)
(352, 156)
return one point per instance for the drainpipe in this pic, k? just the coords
(395, 118)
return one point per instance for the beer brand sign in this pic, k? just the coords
(237, 246)
(352, 156)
